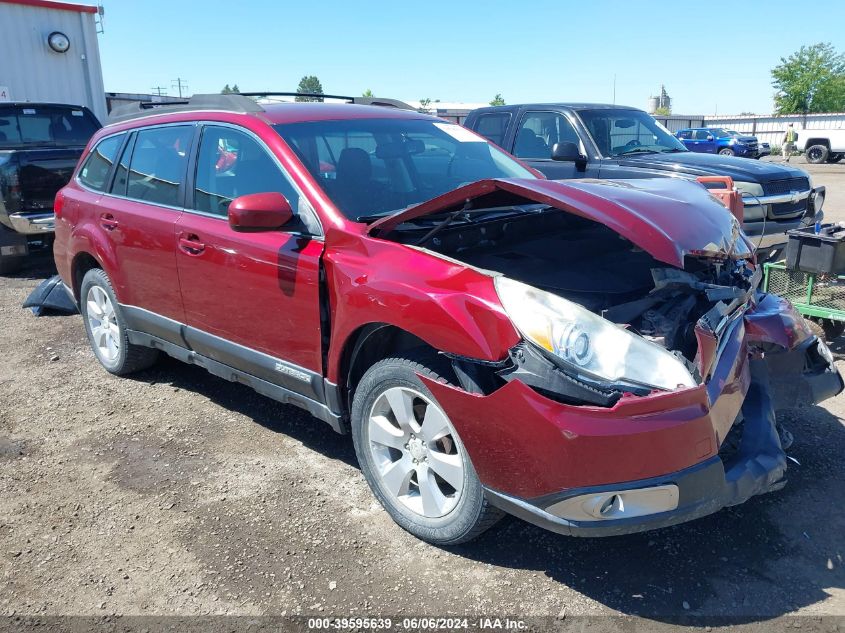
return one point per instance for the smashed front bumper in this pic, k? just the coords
(653, 461)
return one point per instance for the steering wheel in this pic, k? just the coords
(633, 143)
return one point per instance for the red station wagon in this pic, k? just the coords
(592, 356)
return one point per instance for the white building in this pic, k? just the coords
(49, 53)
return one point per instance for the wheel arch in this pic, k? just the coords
(82, 262)
(366, 346)
(817, 141)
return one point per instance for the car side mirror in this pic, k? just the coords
(709, 137)
(259, 212)
(566, 151)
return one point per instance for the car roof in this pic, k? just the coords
(571, 105)
(263, 107)
(40, 104)
(307, 111)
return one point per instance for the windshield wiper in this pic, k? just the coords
(637, 150)
(465, 210)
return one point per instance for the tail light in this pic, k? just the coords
(14, 185)
(58, 204)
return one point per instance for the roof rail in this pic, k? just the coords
(234, 102)
(378, 101)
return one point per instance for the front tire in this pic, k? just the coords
(727, 152)
(106, 327)
(411, 455)
(817, 154)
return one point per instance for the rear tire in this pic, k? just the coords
(411, 455)
(817, 154)
(106, 327)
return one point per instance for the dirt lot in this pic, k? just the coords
(174, 492)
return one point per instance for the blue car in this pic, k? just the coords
(717, 140)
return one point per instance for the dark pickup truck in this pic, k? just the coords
(39, 146)
(580, 140)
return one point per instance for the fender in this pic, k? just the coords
(86, 238)
(451, 306)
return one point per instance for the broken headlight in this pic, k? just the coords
(589, 345)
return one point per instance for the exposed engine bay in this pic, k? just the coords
(589, 264)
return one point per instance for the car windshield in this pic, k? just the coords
(723, 133)
(617, 132)
(374, 167)
(45, 125)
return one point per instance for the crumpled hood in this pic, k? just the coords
(667, 217)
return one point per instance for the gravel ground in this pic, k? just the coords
(174, 492)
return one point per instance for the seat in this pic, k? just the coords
(353, 183)
(529, 145)
(58, 132)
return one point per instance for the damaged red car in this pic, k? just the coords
(594, 357)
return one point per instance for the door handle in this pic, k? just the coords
(191, 244)
(108, 222)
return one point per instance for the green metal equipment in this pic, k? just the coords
(818, 296)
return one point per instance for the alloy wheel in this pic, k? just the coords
(102, 323)
(415, 452)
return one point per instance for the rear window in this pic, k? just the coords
(493, 126)
(96, 169)
(45, 125)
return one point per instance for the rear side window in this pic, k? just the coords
(158, 164)
(96, 169)
(232, 163)
(493, 126)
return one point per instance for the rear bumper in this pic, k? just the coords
(33, 223)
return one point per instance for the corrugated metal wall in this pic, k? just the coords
(675, 122)
(33, 72)
(772, 128)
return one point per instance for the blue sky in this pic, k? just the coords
(712, 56)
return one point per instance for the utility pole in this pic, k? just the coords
(159, 90)
(180, 84)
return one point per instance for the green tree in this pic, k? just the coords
(498, 100)
(226, 90)
(310, 85)
(810, 80)
(663, 111)
(424, 103)
(368, 93)
(235, 89)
